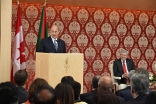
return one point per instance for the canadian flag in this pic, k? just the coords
(18, 48)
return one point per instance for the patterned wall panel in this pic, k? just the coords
(99, 33)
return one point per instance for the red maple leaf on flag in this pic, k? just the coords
(22, 51)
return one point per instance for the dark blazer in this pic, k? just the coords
(90, 100)
(118, 70)
(125, 93)
(47, 46)
(22, 94)
(137, 100)
(85, 95)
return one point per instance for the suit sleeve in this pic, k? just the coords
(64, 48)
(41, 46)
(133, 65)
(115, 70)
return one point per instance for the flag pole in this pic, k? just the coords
(45, 2)
(17, 1)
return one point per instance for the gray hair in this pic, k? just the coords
(123, 51)
(142, 71)
(131, 73)
(139, 84)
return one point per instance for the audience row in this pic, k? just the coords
(68, 91)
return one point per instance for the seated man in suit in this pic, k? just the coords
(94, 86)
(20, 79)
(52, 44)
(126, 92)
(122, 66)
(139, 88)
(105, 82)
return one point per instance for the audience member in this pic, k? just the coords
(67, 79)
(64, 93)
(105, 83)
(139, 88)
(94, 86)
(143, 71)
(151, 98)
(76, 88)
(8, 93)
(126, 92)
(34, 85)
(45, 95)
(20, 79)
(105, 97)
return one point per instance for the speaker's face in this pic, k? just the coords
(54, 32)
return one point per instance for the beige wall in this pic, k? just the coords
(5, 39)
(123, 4)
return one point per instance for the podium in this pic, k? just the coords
(53, 66)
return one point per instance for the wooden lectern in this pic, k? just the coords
(52, 67)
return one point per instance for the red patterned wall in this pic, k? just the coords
(99, 33)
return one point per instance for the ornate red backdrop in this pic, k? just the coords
(99, 33)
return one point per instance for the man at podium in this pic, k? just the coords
(52, 44)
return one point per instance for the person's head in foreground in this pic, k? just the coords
(34, 85)
(45, 95)
(139, 85)
(20, 77)
(64, 93)
(102, 96)
(8, 93)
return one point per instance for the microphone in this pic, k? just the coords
(60, 45)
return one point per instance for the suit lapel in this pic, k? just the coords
(127, 62)
(58, 42)
(120, 65)
(51, 43)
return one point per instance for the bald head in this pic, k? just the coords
(105, 82)
(54, 31)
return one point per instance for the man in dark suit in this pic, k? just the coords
(52, 44)
(139, 88)
(20, 79)
(94, 86)
(105, 82)
(122, 66)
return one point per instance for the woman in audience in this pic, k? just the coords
(76, 88)
(67, 79)
(34, 85)
(102, 96)
(64, 93)
(151, 98)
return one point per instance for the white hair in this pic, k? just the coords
(123, 51)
